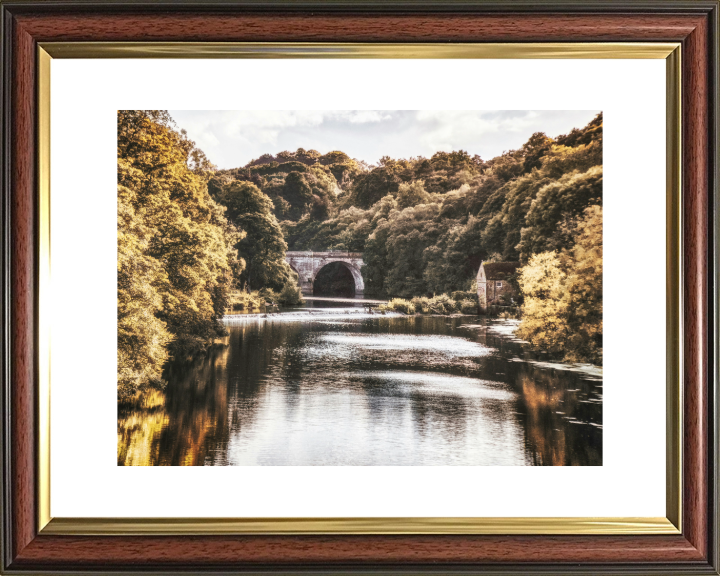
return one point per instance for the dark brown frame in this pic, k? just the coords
(693, 23)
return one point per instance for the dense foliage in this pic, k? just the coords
(176, 249)
(425, 224)
(263, 247)
(184, 253)
(194, 241)
(562, 313)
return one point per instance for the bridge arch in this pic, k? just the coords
(309, 264)
(338, 278)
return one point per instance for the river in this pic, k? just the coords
(332, 384)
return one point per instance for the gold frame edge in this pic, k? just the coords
(673, 320)
(44, 354)
(269, 526)
(485, 525)
(531, 50)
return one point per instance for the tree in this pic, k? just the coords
(176, 252)
(425, 224)
(142, 337)
(590, 133)
(411, 194)
(298, 194)
(455, 161)
(263, 248)
(585, 290)
(453, 261)
(562, 312)
(408, 234)
(534, 150)
(370, 187)
(556, 202)
(334, 157)
(545, 311)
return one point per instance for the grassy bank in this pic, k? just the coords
(259, 300)
(457, 303)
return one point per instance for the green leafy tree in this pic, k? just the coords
(142, 336)
(375, 258)
(582, 136)
(557, 202)
(370, 187)
(175, 248)
(298, 194)
(562, 310)
(585, 289)
(425, 224)
(263, 247)
(411, 194)
(534, 150)
(452, 263)
(545, 310)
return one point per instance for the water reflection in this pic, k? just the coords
(342, 386)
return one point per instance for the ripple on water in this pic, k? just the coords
(433, 384)
(591, 372)
(447, 345)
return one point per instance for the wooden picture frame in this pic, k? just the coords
(29, 545)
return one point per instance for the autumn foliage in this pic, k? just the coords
(176, 250)
(194, 241)
(562, 312)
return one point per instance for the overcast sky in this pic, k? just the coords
(231, 139)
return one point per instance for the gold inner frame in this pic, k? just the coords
(671, 524)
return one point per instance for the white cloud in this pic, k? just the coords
(233, 138)
(363, 116)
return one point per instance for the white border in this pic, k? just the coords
(86, 94)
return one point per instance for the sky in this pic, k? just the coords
(231, 139)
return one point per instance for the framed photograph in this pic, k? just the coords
(359, 288)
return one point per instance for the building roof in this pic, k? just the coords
(499, 270)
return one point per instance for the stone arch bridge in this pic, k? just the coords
(308, 265)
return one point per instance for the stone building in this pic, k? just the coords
(493, 287)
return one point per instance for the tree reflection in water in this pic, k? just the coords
(366, 390)
(559, 430)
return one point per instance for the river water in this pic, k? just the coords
(339, 386)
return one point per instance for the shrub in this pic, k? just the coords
(469, 306)
(422, 304)
(439, 308)
(290, 295)
(444, 304)
(460, 295)
(241, 300)
(398, 305)
(509, 314)
(269, 295)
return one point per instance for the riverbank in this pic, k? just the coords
(311, 315)
(442, 304)
(343, 386)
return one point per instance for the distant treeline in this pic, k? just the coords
(426, 224)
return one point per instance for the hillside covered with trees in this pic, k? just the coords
(189, 235)
(426, 224)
